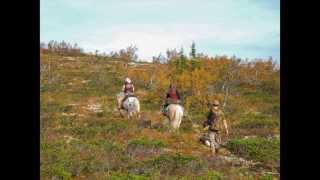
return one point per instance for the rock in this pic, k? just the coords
(248, 137)
(69, 138)
(94, 107)
(68, 114)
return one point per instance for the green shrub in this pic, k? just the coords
(266, 177)
(115, 128)
(257, 121)
(80, 157)
(264, 123)
(93, 129)
(86, 132)
(58, 170)
(66, 121)
(144, 147)
(212, 175)
(124, 176)
(146, 143)
(171, 164)
(261, 96)
(259, 149)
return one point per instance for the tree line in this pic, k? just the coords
(61, 48)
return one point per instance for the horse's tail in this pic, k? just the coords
(179, 114)
(175, 114)
(137, 104)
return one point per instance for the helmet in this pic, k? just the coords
(127, 80)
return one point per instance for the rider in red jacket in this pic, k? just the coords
(172, 97)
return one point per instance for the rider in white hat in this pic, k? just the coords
(128, 89)
(128, 86)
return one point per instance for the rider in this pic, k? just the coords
(215, 123)
(127, 88)
(172, 97)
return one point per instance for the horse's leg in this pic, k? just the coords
(139, 116)
(172, 118)
(120, 113)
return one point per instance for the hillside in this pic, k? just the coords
(84, 137)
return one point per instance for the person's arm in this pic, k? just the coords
(123, 87)
(178, 94)
(132, 87)
(225, 124)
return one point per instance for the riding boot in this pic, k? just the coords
(164, 110)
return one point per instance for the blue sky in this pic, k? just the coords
(244, 28)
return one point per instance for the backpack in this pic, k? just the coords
(212, 118)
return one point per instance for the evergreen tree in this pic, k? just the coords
(193, 50)
(195, 62)
(182, 61)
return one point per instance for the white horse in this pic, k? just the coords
(175, 114)
(131, 105)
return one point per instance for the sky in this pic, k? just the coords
(244, 28)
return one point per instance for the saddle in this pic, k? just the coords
(130, 95)
(125, 98)
(172, 101)
(213, 130)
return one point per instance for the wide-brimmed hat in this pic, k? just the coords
(214, 103)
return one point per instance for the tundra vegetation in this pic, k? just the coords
(84, 137)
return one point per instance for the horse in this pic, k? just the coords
(175, 114)
(131, 105)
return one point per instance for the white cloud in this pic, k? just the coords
(227, 26)
(151, 39)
